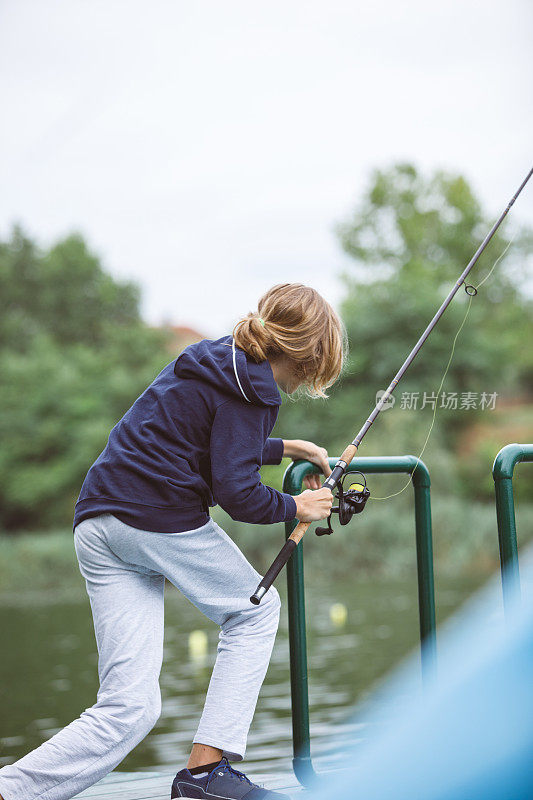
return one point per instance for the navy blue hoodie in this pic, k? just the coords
(196, 437)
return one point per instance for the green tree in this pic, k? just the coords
(410, 238)
(63, 291)
(74, 355)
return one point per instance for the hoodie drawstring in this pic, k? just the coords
(235, 370)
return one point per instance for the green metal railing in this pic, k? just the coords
(502, 472)
(292, 483)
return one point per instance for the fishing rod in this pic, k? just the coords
(352, 501)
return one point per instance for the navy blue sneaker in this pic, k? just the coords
(222, 783)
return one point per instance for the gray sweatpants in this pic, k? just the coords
(124, 569)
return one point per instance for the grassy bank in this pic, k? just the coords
(39, 564)
(380, 542)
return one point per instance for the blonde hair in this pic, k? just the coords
(299, 324)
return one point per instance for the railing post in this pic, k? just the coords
(502, 473)
(292, 483)
(301, 762)
(424, 558)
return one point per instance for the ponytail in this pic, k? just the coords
(295, 321)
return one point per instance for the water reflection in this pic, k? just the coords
(48, 671)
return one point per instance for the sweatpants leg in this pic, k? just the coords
(206, 565)
(246, 639)
(124, 568)
(127, 607)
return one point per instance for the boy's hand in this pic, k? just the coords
(313, 506)
(299, 448)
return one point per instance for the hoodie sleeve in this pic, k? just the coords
(238, 437)
(273, 451)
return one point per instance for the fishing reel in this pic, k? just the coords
(351, 501)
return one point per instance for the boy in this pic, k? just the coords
(197, 436)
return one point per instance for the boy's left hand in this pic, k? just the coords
(299, 448)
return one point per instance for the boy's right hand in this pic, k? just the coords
(314, 504)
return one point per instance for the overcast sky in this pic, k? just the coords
(206, 149)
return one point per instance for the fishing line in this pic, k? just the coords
(352, 500)
(471, 296)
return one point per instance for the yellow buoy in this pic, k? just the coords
(338, 614)
(197, 644)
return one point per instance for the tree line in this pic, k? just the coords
(75, 352)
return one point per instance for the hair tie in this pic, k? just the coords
(262, 321)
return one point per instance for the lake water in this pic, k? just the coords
(48, 670)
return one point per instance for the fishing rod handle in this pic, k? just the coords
(279, 562)
(332, 481)
(292, 541)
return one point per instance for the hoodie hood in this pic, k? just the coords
(229, 369)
